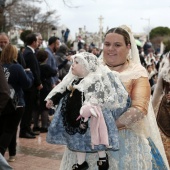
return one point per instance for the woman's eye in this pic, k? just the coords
(117, 45)
(106, 44)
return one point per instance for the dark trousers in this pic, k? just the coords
(30, 97)
(8, 128)
(13, 143)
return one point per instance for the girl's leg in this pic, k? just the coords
(81, 163)
(103, 163)
(81, 156)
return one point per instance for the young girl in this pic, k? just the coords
(87, 87)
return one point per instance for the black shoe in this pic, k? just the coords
(34, 133)
(36, 129)
(43, 130)
(83, 166)
(103, 163)
(27, 135)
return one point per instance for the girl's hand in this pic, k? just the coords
(49, 104)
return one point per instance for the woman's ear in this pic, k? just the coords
(129, 46)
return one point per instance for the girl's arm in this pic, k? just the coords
(54, 100)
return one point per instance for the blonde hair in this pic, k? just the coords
(9, 54)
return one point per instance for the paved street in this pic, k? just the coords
(37, 154)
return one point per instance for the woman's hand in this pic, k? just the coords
(49, 104)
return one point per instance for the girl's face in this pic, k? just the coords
(78, 68)
(115, 51)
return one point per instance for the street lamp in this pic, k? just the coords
(147, 19)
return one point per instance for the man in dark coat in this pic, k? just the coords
(31, 93)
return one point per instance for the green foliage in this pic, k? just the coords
(24, 34)
(167, 45)
(159, 32)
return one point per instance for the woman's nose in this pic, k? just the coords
(111, 47)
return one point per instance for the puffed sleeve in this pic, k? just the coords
(140, 96)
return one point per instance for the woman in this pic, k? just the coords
(19, 79)
(162, 109)
(138, 132)
(86, 87)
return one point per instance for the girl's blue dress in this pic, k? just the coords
(60, 133)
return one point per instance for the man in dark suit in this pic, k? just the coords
(31, 93)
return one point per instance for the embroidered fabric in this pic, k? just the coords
(130, 117)
(98, 86)
(134, 71)
(146, 127)
(133, 146)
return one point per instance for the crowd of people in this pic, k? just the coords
(56, 81)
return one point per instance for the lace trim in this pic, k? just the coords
(131, 116)
(134, 71)
(134, 155)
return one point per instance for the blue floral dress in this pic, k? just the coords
(65, 129)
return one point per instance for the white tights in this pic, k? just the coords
(81, 156)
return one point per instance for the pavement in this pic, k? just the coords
(37, 154)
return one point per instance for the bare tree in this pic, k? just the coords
(18, 14)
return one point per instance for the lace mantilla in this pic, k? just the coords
(134, 71)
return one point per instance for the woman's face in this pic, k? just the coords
(78, 69)
(115, 51)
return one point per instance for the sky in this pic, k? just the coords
(141, 16)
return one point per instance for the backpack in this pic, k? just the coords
(13, 95)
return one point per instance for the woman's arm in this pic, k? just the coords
(140, 96)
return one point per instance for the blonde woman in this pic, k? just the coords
(19, 79)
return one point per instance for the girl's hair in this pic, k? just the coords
(9, 54)
(122, 32)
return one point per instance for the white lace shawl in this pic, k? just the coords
(97, 86)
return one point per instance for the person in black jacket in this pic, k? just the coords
(19, 79)
(46, 73)
(31, 93)
(4, 97)
(4, 90)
